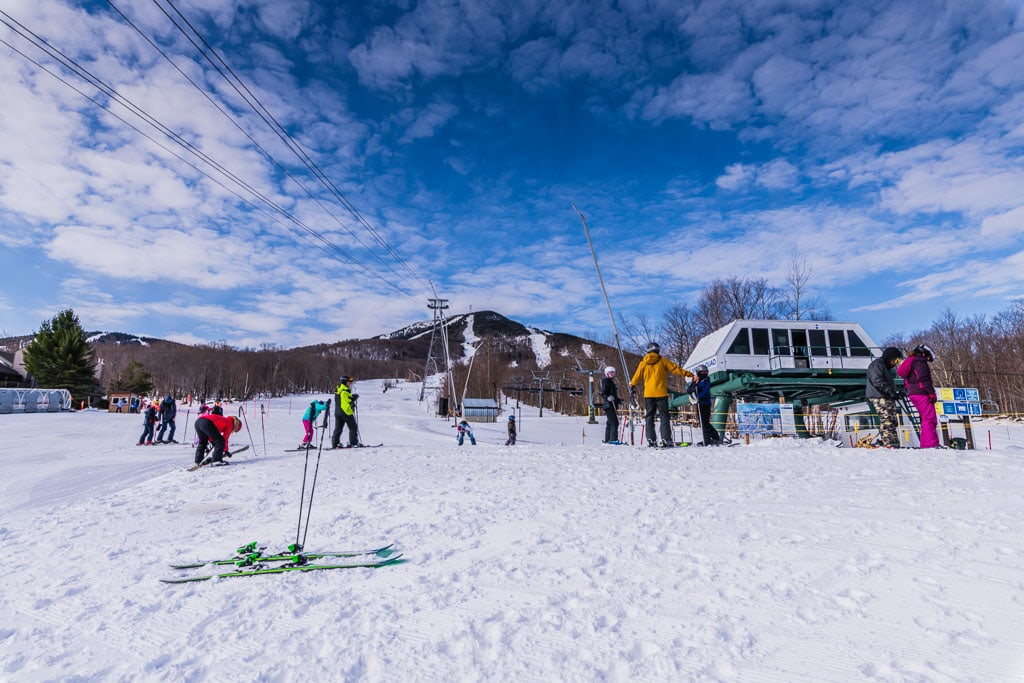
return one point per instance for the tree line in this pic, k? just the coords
(973, 351)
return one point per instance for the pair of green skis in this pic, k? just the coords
(251, 561)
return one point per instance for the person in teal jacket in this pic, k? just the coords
(309, 419)
(345, 413)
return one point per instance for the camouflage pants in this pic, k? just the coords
(888, 414)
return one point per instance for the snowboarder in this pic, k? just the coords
(345, 413)
(215, 429)
(168, 411)
(610, 402)
(464, 431)
(700, 389)
(653, 372)
(921, 391)
(309, 419)
(881, 391)
(511, 440)
(148, 425)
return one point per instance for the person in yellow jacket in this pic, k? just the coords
(344, 414)
(653, 372)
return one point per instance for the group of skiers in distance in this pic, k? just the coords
(213, 429)
(653, 371)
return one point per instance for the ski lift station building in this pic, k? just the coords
(799, 361)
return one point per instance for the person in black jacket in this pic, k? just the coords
(881, 391)
(149, 419)
(700, 389)
(610, 397)
(168, 411)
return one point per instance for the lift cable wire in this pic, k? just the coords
(73, 66)
(214, 58)
(257, 145)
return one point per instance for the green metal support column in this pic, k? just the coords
(720, 412)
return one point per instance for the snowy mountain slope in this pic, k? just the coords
(558, 559)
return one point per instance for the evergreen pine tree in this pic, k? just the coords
(134, 379)
(60, 357)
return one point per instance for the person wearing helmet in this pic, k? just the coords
(345, 413)
(309, 419)
(149, 419)
(511, 441)
(217, 430)
(610, 402)
(168, 411)
(881, 391)
(921, 391)
(700, 389)
(653, 371)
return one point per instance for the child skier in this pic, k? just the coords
(309, 419)
(149, 419)
(511, 431)
(464, 431)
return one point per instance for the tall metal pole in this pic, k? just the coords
(615, 328)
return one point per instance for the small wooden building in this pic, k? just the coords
(126, 397)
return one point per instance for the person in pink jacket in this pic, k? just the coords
(921, 391)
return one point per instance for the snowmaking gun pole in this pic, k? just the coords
(615, 329)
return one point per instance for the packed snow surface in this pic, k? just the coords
(558, 559)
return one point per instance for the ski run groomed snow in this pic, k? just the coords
(559, 559)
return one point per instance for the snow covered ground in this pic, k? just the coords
(559, 559)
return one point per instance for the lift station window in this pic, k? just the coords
(742, 342)
(780, 341)
(857, 347)
(836, 343)
(817, 342)
(761, 345)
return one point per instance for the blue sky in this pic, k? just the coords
(882, 140)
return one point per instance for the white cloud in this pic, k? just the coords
(778, 174)
(425, 122)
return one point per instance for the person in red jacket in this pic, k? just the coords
(215, 429)
(921, 391)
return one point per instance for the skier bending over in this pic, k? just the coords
(464, 431)
(215, 429)
(309, 419)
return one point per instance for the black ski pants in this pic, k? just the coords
(207, 433)
(657, 404)
(611, 425)
(708, 431)
(341, 420)
(168, 422)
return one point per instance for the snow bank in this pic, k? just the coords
(558, 559)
